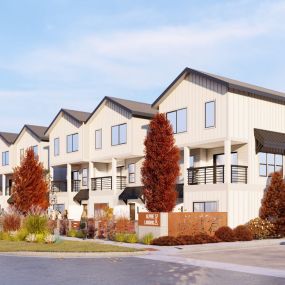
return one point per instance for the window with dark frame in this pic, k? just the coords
(269, 163)
(210, 114)
(207, 206)
(119, 134)
(56, 147)
(98, 139)
(72, 143)
(178, 120)
(5, 158)
(132, 173)
(84, 177)
(35, 150)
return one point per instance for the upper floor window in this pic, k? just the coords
(22, 154)
(178, 120)
(84, 177)
(132, 173)
(72, 143)
(269, 163)
(35, 149)
(56, 147)
(210, 114)
(205, 206)
(5, 158)
(119, 134)
(98, 139)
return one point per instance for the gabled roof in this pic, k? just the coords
(137, 109)
(37, 131)
(9, 138)
(78, 116)
(230, 83)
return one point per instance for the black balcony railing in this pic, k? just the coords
(59, 186)
(216, 174)
(239, 174)
(106, 183)
(75, 185)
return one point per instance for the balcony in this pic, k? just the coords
(105, 183)
(75, 185)
(216, 174)
(59, 186)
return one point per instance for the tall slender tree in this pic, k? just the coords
(161, 166)
(273, 203)
(30, 188)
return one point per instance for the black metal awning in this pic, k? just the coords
(82, 195)
(136, 192)
(10, 200)
(268, 141)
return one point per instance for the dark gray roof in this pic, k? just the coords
(137, 109)
(78, 116)
(268, 141)
(230, 83)
(9, 138)
(38, 131)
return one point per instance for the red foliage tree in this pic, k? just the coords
(30, 188)
(273, 203)
(161, 166)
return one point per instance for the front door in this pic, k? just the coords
(132, 211)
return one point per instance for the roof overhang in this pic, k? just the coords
(82, 195)
(26, 128)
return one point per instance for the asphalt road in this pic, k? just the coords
(120, 271)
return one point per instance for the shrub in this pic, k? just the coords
(91, 228)
(36, 224)
(261, 229)
(243, 233)
(11, 222)
(50, 238)
(31, 238)
(4, 236)
(124, 225)
(120, 237)
(131, 238)
(72, 233)
(22, 234)
(81, 234)
(147, 239)
(166, 241)
(51, 225)
(40, 237)
(225, 234)
(63, 227)
(204, 238)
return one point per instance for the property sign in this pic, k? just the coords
(149, 219)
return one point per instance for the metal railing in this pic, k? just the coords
(106, 183)
(216, 174)
(75, 185)
(121, 182)
(59, 186)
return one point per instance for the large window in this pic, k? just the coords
(119, 134)
(56, 147)
(35, 149)
(178, 120)
(269, 163)
(205, 206)
(84, 177)
(5, 158)
(132, 173)
(210, 114)
(72, 143)
(98, 139)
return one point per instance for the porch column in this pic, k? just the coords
(114, 175)
(4, 184)
(186, 165)
(68, 177)
(227, 150)
(51, 176)
(90, 174)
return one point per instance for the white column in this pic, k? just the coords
(4, 184)
(68, 177)
(90, 174)
(114, 175)
(186, 165)
(227, 150)
(51, 176)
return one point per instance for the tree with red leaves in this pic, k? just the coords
(161, 166)
(273, 203)
(30, 188)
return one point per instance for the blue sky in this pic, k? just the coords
(70, 53)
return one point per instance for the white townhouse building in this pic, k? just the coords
(232, 136)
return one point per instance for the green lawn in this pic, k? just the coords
(61, 246)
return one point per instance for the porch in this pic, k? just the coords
(107, 183)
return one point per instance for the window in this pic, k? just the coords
(84, 177)
(56, 147)
(269, 163)
(72, 143)
(119, 134)
(5, 158)
(178, 120)
(59, 208)
(191, 161)
(210, 114)
(98, 139)
(205, 207)
(132, 173)
(35, 149)
(22, 154)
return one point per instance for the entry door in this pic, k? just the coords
(132, 211)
